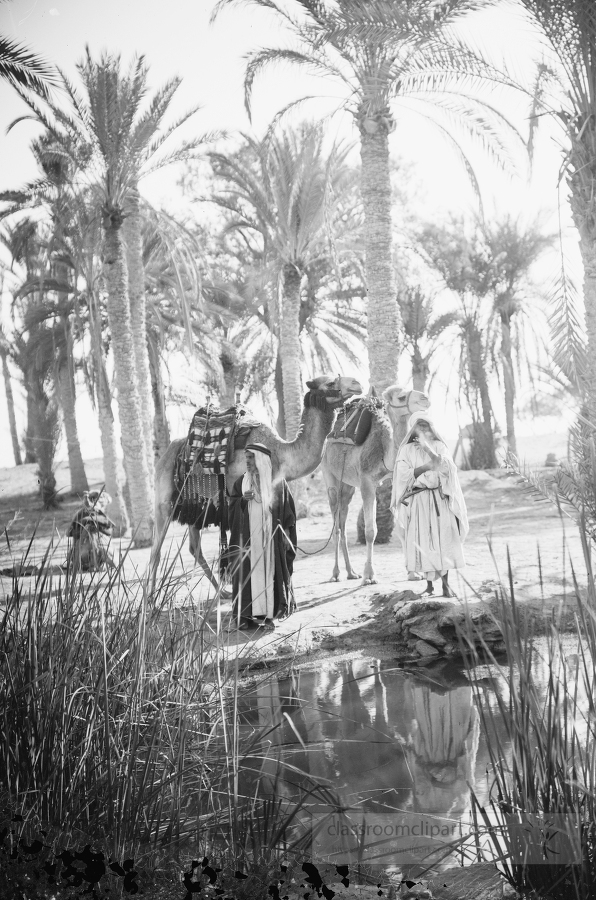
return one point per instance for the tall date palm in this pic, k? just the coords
(287, 195)
(113, 140)
(381, 51)
(570, 29)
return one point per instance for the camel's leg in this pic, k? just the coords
(163, 514)
(339, 496)
(333, 498)
(346, 492)
(164, 493)
(194, 545)
(369, 504)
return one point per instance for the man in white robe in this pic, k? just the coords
(263, 541)
(429, 504)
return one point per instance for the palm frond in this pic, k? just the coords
(25, 70)
(456, 146)
(567, 330)
(266, 58)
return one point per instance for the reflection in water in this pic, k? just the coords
(383, 738)
(442, 744)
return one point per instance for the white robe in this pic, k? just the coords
(432, 543)
(262, 563)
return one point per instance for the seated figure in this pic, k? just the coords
(90, 522)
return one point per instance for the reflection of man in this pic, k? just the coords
(441, 748)
(263, 542)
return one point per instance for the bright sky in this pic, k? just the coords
(177, 39)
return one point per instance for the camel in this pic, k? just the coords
(290, 459)
(346, 467)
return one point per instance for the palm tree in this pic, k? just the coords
(34, 352)
(52, 307)
(36, 356)
(12, 419)
(51, 191)
(423, 330)
(111, 143)
(180, 314)
(513, 251)
(468, 271)
(381, 51)
(290, 205)
(138, 319)
(570, 97)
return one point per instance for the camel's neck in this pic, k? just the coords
(302, 456)
(399, 427)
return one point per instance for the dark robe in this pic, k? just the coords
(88, 553)
(284, 550)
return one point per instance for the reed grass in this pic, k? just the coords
(541, 739)
(119, 727)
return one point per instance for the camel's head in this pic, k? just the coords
(329, 392)
(403, 403)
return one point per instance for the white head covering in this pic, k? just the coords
(449, 481)
(414, 419)
(263, 464)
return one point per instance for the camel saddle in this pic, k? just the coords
(353, 423)
(200, 473)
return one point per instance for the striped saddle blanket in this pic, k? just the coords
(200, 475)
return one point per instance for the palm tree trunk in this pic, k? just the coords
(383, 313)
(279, 390)
(66, 388)
(113, 472)
(45, 434)
(480, 384)
(67, 396)
(290, 353)
(228, 356)
(508, 381)
(66, 393)
(129, 404)
(138, 316)
(30, 433)
(112, 466)
(18, 460)
(162, 431)
(419, 370)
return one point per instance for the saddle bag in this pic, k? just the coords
(353, 424)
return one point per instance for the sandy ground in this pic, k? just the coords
(331, 616)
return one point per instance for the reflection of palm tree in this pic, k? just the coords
(370, 757)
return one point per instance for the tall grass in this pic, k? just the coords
(541, 739)
(119, 725)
